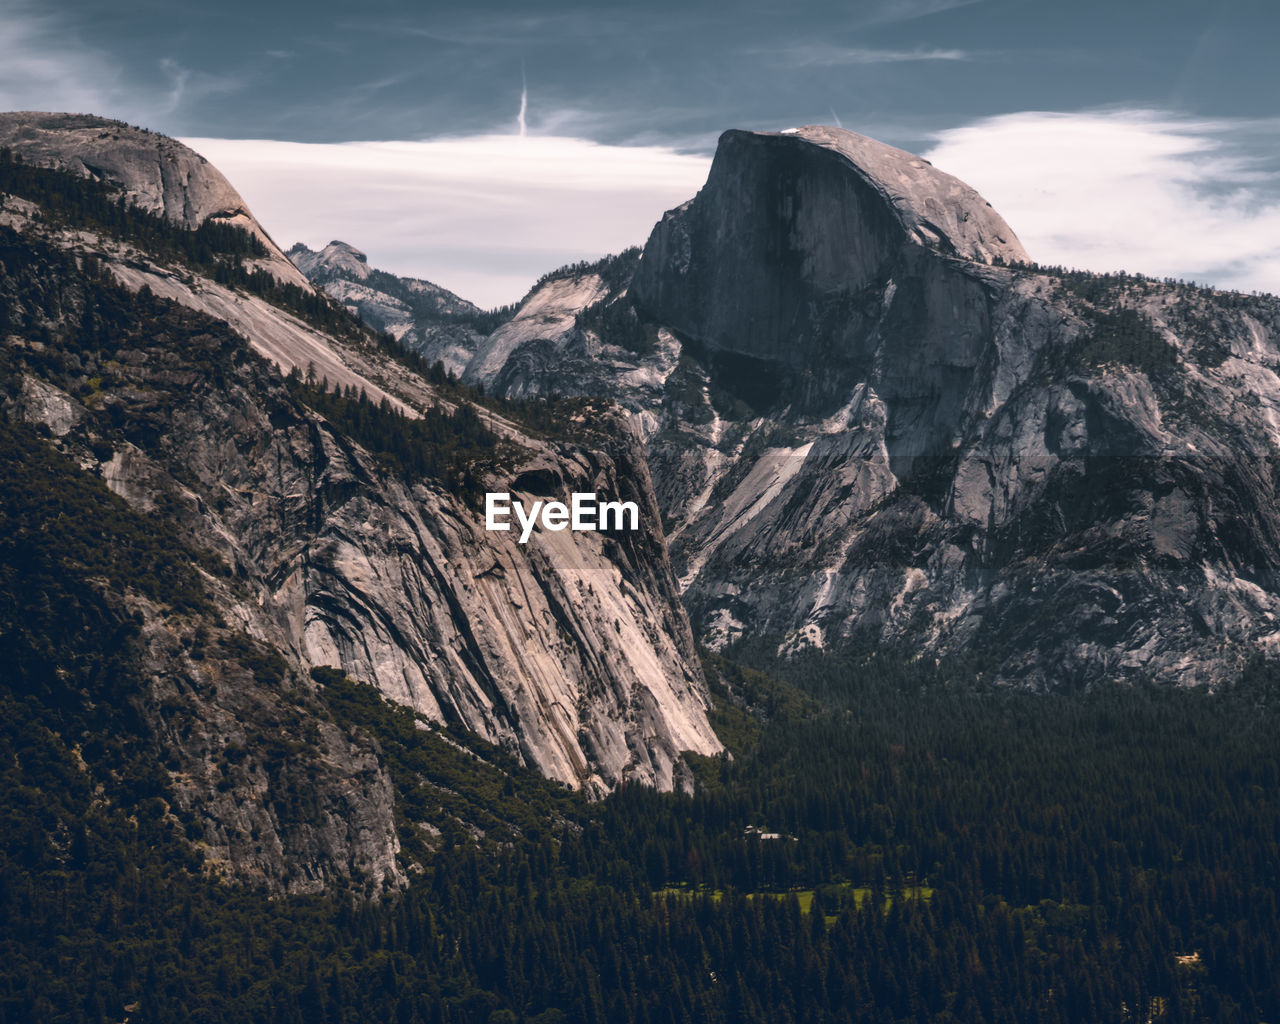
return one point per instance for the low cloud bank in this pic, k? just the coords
(484, 216)
(1137, 190)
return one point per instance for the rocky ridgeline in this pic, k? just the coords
(151, 171)
(572, 651)
(421, 316)
(871, 422)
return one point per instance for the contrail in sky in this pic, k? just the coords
(524, 102)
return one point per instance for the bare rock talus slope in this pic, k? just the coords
(875, 424)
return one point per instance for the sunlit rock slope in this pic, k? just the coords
(573, 651)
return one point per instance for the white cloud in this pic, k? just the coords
(825, 55)
(905, 10)
(483, 216)
(1137, 190)
(187, 85)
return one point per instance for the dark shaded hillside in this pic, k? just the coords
(343, 495)
(117, 616)
(133, 607)
(222, 252)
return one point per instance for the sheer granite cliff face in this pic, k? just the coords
(805, 250)
(572, 651)
(870, 422)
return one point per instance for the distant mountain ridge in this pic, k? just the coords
(421, 316)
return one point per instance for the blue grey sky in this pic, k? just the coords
(669, 71)
(1192, 88)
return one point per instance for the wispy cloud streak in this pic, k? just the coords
(43, 68)
(824, 55)
(524, 103)
(908, 10)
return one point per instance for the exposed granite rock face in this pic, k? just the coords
(1094, 519)
(336, 261)
(281, 796)
(548, 313)
(573, 650)
(154, 172)
(804, 249)
(422, 316)
(935, 209)
(864, 430)
(555, 344)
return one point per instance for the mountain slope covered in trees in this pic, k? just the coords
(298, 520)
(940, 855)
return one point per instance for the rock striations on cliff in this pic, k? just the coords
(871, 422)
(572, 651)
(781, 252)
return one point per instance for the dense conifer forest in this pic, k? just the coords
(438, 445)
(888, 846)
